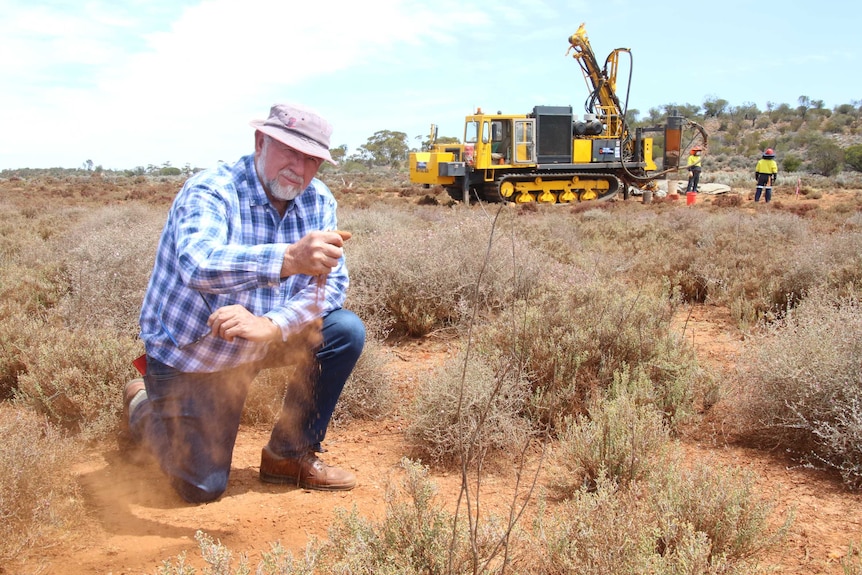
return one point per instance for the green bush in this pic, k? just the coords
(853, 157)
(825, 157)
(791, 163)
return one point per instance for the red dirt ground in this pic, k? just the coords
(135, 521)
(138, 522)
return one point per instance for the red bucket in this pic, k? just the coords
(690, 198)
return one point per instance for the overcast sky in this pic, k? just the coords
(129, 83)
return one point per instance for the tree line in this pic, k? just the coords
(808, 136)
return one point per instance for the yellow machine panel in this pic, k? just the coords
(425, 168)
(583, 151)
(650, 162)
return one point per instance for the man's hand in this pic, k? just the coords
(317, 253)
(233, 321)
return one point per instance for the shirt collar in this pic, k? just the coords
(256, 193)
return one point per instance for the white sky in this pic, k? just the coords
(129, 83)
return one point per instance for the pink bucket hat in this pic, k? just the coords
(300, 128)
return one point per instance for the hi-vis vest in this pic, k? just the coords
(766, 166)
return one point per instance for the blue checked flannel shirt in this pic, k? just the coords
(223, 243)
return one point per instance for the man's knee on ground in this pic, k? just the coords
(211, 488)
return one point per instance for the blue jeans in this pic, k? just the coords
(190, 420)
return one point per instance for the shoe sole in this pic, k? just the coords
(285, 480)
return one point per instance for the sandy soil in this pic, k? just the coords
(135, 522)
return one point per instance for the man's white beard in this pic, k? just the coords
(279, 192)
(285, 193)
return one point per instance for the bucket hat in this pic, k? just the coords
(300, 128)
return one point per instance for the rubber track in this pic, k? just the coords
(550, 176)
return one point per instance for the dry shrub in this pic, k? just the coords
(416, 272)
(851, 562)
(727, 201)
(75, 377)
(416, 536)
(368, 393)
(804, 385)
(607, 530)
(573, 338)
(718, 501)
(754, 264)
(622, 437)
(32, 291)
(703, 520)
(463, 412)
(219, 560)
(109, 256)
(585, 207)
(801, 210)
(69, 310)
(39, 501)
(33, 273)
(759, 265)
(265, 397)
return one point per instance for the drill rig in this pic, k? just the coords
(550, 155)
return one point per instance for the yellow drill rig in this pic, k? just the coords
(551, 155)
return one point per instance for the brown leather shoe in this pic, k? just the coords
(307, 471)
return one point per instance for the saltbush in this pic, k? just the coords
(573, 338)
(417, 535)
(431, 270)
(698, 521)
(465, 410)
(722, 503)
(804, 384)
(36, 506)
(75, 377)
(619, 438)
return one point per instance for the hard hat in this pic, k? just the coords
(769, 153)
(696, 149)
